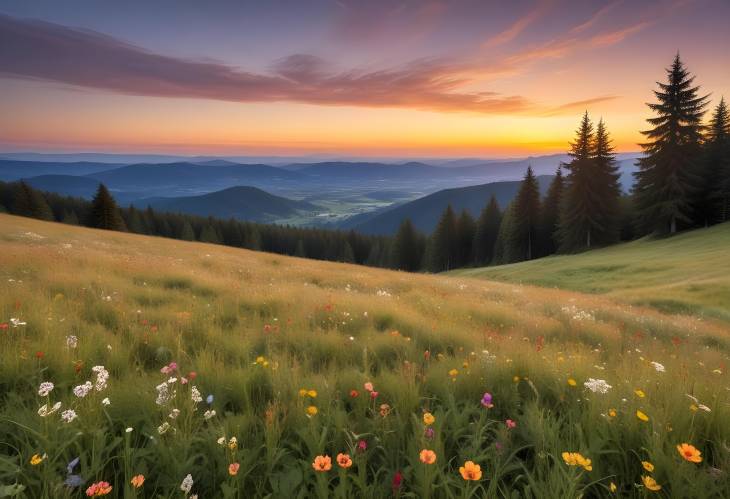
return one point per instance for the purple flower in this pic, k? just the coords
(487, 400)
(429, 433)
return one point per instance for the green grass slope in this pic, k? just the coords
(688, 273)
(238, 369)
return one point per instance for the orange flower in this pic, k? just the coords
(428, 418)
(689, 453)
(98, 489)
(471, 471)
(343, 460)
(429, 457)
(233, 469)
(137, 481)
(322, 463)
(647, 466)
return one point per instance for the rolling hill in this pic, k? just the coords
(242, 202)
(68, 185)
(687, 273)
(425, 212)
(11, 169)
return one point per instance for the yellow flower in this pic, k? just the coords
(647, 466)
(428, 418)
(471, 471)
(576, 459)
(302, 392)
(260, 359)
(453, 373)
(612, 487)
(640, 393)
(571, 382)
(312, 393)
(693, 408)
(642, 416)
(37, 459)
(516, 379)
(312, 411)
(465, 365)
(690, 453)
(612, 413)
(650, 483)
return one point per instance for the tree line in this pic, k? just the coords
(683, 181)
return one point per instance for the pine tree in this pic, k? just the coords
(104, 212)
(443, 242)
(28, 202)
(134, 221)
(299, 250)
(348, 254)
(667, 178)
(209, 235)
(70, 217)
(407, 249)
(607, 188)
(502, 250)
(714, 203)
(465, 230)
(186, 232)
(486, 232)
(523, 241)
(550, 216)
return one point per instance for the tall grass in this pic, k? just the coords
(271, 339)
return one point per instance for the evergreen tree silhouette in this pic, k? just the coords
(29, 202)
(550, 216)
(104, 212)
(523, 239)
(714, 201)
(486, 233)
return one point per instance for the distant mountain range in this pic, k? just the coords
(426, 211)
(243, 203)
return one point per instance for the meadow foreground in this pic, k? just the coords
(140, 366)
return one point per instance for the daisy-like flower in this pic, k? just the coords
(647, 466)
(689, 453)
(312, 411)
(68, 415)
(99, 489)
(106, 402)
(322, 463)
(209, 414)
(187, 484)
(44, 410)
(651, 484)
(45, 388)
(72, 342)
(82, 391)
(344, 460)
(428, 418)
(137, 481)
(471, 471)
(510, 424)
(577, 459)
(233, 443)
(37, 459)
(427, 456)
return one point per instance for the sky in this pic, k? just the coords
(366, 78)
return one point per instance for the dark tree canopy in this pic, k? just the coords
(485, 235)
(104, 212)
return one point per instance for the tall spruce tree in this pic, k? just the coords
(465, 230)
(550, 216)
(667, 179)
(486, 232)
(523, 239)
(714, 204)
(407, 248)
(104, 212)
(442, 250)
(606, 187)
(29, 202)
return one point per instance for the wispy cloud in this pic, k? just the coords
(614, 37)
(518, 26)
(579, 105)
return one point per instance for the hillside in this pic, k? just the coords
(688, 273)
(298, 359)
(425, 212)
(242, 203)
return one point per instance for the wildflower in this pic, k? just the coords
(642, 416)
(362, 445)
(168, 369)
(343, 460)
(312, 393)
(427, 456)
(373, 395)
(597, 385)
(368, 386)
(471, 471)
(302, 392)
(233, 469)
(174, 414)
(612, 487)
(487, 400)
(577, 459)
(163, 394)
(384, 410)
(651, 484)
(453, 373)
(572, 382)
(428, 418)
(102, 375)
(72, 342)
(39, 354)
(195, 395)
(658, 367)
(612, 413)
(397, 481)
(312, 411)
(428, 433)
(354, 394)
(44, 411)
(209, 415)
(510, 424)
(322, 463)
(647, 466)
(129, 430)
(233, 443)
(640, 393)
(187, 484)
(689, 453)
(98, 489)
(37, 459)
(106, 402)
(137, 481)
(45, 388)
(68, 415)
(82, 391)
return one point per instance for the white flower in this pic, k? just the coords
(129, 430)
(209, 414)
(704, 408)
(16, 322)
(659, 368)
(106, 401)
(222, 441)
(72, 342)
(68, 415)
(187, 484)
(162, 429)
(44, 411)
(174, 414)
(195, 394)
(163, 394)
(45, 388)
(171, 381)
(82, 391)
(597, 385)
(102, 375)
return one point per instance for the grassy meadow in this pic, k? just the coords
(193, 369)
(688, 273)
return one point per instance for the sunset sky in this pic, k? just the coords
(344, 77)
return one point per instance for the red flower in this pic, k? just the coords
(427, 355)
(192, 375)
(39, 355)
(362, 446)
(354, 393)
(4, 325)
(397, 481)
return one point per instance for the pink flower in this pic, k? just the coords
(368, 386)
(487, 400)
(373, 395)
(510, 424)
(362, 446)
(429, 433)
